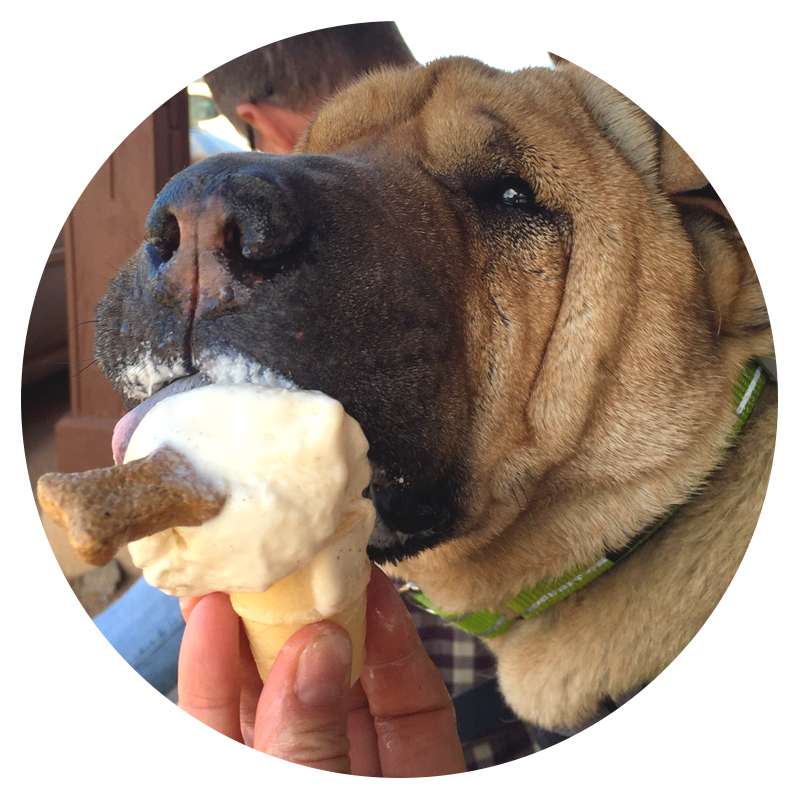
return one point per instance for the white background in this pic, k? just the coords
(721, 721)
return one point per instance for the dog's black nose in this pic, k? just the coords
(251, 215)
(223, 222)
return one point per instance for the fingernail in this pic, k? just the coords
(322, 669)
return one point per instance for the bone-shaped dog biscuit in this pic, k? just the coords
(104, 509)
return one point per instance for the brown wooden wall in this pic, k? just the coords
(104, 229)
(45, 344)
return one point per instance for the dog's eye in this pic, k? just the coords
(516, 197)
(508, 193)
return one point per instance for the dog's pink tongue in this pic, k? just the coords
(127, 425)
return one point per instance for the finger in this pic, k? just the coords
(413, 714)
(251, 684)
(302, 714)
(252, 687)
(364, 757)
(208, 665)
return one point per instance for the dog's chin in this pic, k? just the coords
(413, 527)
(389, 546)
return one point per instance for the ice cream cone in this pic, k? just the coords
(271, 617)
(266, 638)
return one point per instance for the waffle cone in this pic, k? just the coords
(271, 617)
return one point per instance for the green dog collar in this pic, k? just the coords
(532, 602)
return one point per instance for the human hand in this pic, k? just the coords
(397, 721)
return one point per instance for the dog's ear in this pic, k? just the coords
(658, 158)
(663, 164)
(678, 173)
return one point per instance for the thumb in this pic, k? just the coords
(302, 713)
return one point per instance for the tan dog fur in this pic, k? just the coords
(602, 387)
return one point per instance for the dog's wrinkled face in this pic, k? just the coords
(468, 262)
(260, 268)
(355, 273)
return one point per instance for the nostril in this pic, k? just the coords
(249, 241)
(164, 233)
(232, 241)
(248, 252)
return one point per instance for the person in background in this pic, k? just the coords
(271, 94)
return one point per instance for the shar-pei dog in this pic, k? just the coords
(546, 324)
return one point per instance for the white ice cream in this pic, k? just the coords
(292, 463)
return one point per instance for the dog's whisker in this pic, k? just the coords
(81, 324)
(612, 374)
(524, 493)
(82, 370)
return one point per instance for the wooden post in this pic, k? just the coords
(103, 231)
